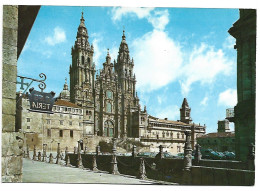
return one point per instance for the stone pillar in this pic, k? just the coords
(187, 159)
(142, 172)
(44, 152)
(75, 150)
(97, 150)
(251, 157)
(58, 159)
(66, 151)
(134, 154)
(27, 152)
(11, 154)
(197, 157)
(68, 161)
(161, 156)
(39, 156)
(79, 159)
(51, 159)
(114, 146)
(34, 153)
(85, 150)
(114, 168)
(94, 163)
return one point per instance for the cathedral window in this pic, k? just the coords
(178, 135)
(28, 119)
(71, 133)
(109, 94)
(70, 122)
(61, 133)
(61, 122)
(178, 149)
(108, 107)
(182, 136)
(48, 121)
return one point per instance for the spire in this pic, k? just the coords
(82, 30)
(65, 85)
(108, 57)
(82, 20)
(123, 37)
(185, 103)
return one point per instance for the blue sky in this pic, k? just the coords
(178, 52)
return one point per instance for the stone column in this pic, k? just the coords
(85, 150)
(142, 172)
(44, 153)
(114, 168)
(97, 150)
(187, 159)
(39, 156)
(11, 154)
(134, 154)
(58, 159)
(51, 159)
(197, 157)
(114, 146)
(34, 153)
(161, 156)
(79, 159)
(251, 157)
(27, 152)
(66, 151)
(68, 161)
(94, 163)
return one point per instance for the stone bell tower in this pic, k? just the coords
(82, 69)
(185, 112)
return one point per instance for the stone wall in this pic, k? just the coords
(11, 145)
(221, 176)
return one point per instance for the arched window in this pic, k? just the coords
(108, 107)
(178, 135)
(109, 94)
(82, 60)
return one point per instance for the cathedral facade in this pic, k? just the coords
(110, 102)
(107, 98)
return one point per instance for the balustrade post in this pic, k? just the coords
(51, 158)
(27, 152)
(68, 161)
(97, 150)
(197, 156)
(94, 163)
(34, 153)
(79, 159)
(85, 150)
(134, 154)
(114, 168)
(142, 172)
(66, 151)
(44, 153)
(58, 159)
(39, 156)
(187, 159)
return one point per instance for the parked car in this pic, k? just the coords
(229, 155)
(210, 154)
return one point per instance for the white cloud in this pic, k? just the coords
(58, 36)
(204, 102)
(166, 60)
(171, 112)
(159, 20)
(203, 65)
(229, 42)
(157, 58)
(228, 98)
(119, 12)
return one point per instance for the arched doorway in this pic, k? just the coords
(109, 128)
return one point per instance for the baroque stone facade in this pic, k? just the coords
(110, 102)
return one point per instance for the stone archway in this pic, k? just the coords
(108, 128)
